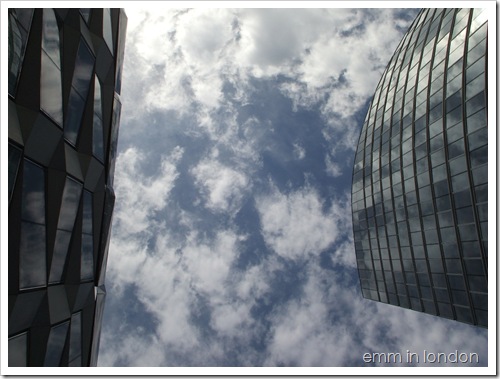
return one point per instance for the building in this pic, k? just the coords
(420, 180)
(64, 111)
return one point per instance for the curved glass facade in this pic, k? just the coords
(63, 128)
(419, 192)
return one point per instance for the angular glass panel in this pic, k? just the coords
(18, 350)
(97, 97)
(50, 37)
(32, 255)
(87, 212)
(14, 159)
(82, 75)
(51, 89)
(106, 29)
(85, 12)
(87, 260)
(61, 247)
(33, 195)
(117, 107)
(15, 51)
(75, 342)
(69, 205)
(84, 66)
(96, 332)
(55, 345)
(98, 137)
(74, 114)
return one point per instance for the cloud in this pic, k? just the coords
(296, 225)
(299, 151)
(222, 187)
(139, 194)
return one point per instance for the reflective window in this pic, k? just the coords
(32, 271)
(478, 139)
(87, 259)
(85, 12)
(82, 76)
(475, 70)
(106, 29)
(55, 344)
(97, 136)
(75, 341)
(18, 350)
(18, 32)
(50, 78)
(61, 247)
(14, 160)
(67, 215)
(32, 246)
(117, 107)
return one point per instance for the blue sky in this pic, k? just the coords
(232, 241)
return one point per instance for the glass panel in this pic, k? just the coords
(69, 205)
(87, 258)
(14, 159)
(32, 247)
(106, 29)
(87, 263)
(97, 97)
(97, 138)
(50, 80)
(50, 36)
(15, 51)
(33, 196)
(55, 345)
(51, 89)
(83, 69)
(32, 254)
(86, 14)
(117, 106)
(74, 115)
(80, 86)
(18, 347)
(87, 212)
(75, 342)
(61, 247)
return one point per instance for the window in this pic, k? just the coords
(14, 160)
(75, 341)
(50, 77)
(18, 349)
(55, 345)
(32, 248)
(69, 208)
(82, 75)
(97, 135)
(87, 259)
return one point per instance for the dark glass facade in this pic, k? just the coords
(420, 180)
(63, 116)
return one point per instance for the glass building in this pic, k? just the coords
(420, 180)
(63, 115)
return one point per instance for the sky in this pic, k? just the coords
(232, 240)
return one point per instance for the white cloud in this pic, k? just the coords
(332, 167)
(222, 187)
(296, 226)
(139, 194)
(299, 151)
(312, 47)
